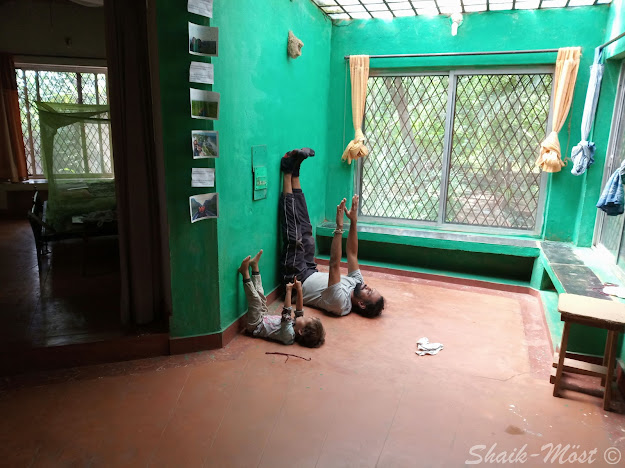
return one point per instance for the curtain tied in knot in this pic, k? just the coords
(549, 159)
(356, 148)
(359, 73)
(567, 65)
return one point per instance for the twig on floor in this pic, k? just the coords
(287, 356)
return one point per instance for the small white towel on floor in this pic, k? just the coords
(425, 347)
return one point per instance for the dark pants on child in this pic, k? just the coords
(298, 244)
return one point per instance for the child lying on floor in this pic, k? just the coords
(307, 331)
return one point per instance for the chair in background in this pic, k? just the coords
(44, 233)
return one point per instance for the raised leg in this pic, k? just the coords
(292, 262)
(256, 309)
(256, 279)
(308, 241)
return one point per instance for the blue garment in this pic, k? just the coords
(583, 153)
(612, 197)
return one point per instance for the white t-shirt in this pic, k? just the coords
(336, 299)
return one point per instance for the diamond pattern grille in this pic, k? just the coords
(405, 129)
(498, 125)
(83, 149)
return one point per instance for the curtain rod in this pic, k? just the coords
(455, 54)
(603, 46)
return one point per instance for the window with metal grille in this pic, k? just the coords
(456, 149)
(75, 85)
(610, 230)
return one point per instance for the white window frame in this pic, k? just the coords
(38, 67)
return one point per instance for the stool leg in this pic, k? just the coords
(565, 339)
(606, 354)
(607, 394)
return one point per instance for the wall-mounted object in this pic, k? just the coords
(204, 206)
(205, 144)
(203, 40)
(294, 46)
(259, 172)
(456, 20)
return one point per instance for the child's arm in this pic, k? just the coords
(286, 309)
(299, 306)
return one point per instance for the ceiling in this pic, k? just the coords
(388, 9)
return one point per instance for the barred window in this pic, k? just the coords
(65, 84)
(455, 149)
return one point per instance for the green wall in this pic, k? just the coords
(535, 29)
(193, 248)
(266, 99)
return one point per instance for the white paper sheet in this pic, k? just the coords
(201, 7)
(200, 72)
(202, 177)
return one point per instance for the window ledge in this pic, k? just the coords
(494, 244)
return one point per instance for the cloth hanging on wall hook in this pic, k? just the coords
(583, 154)
(612, 197)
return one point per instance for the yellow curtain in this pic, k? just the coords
(567, 65)
(359, 71)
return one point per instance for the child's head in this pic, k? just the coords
(309, 332)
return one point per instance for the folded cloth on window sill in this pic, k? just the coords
(425, 347)
(612, 197)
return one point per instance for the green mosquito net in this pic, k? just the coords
(77, 161)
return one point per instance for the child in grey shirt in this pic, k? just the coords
(307, 331)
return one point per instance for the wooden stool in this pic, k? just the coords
(598, 313)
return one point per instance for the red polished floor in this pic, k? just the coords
(60, 303)
(364, 399)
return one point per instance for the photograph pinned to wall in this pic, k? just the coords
(203, 40)
(202, 177)
(200, 72)
(204, 104)
(205, 144)
(203, 206)
(201, 7)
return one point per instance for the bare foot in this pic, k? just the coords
(254, 261)
(244, 269)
